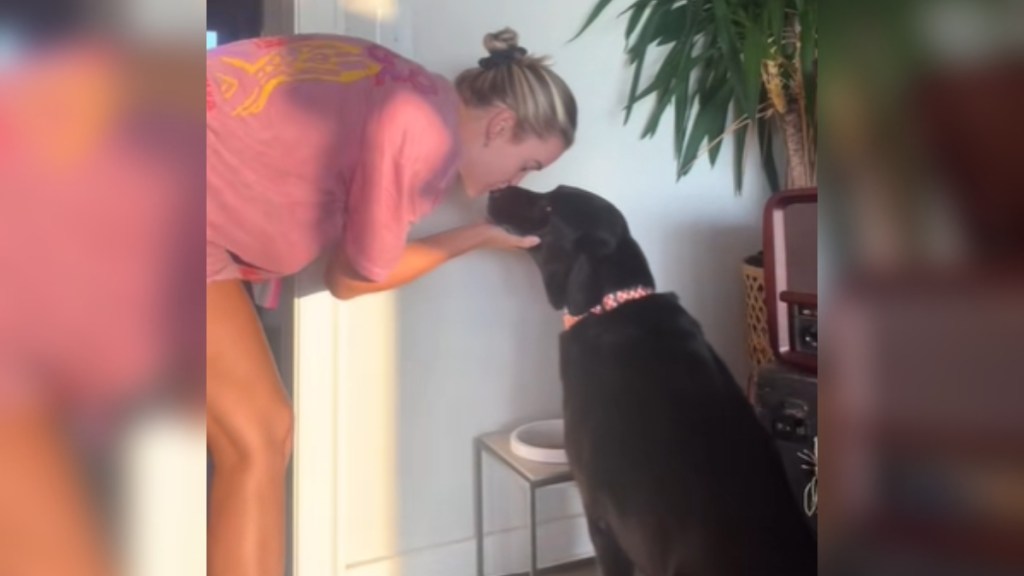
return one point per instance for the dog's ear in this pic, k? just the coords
(598, 243)
(576, 283)
(566, 265)
(581, 285)
(555, 279)
(568, 281)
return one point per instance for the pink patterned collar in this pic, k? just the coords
(609, 303)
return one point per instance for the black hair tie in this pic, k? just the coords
(502, 58)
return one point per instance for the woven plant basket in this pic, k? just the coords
(759, 347)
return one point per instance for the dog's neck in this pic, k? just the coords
(616, 277)
(608, 303)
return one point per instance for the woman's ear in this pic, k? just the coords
(500, 126)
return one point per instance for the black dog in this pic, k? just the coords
(677, 475)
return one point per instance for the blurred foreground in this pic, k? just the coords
(102, 208)
(923, 202)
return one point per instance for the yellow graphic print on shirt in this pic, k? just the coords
(316, 60)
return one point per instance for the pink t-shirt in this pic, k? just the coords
(315, 141)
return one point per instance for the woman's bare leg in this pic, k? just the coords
(47, 521)
(249, 434)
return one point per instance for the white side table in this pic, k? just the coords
(536, 474)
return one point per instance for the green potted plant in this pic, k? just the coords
(729, 68)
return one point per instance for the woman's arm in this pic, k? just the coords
(420, 257)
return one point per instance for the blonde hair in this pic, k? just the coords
(525, 84)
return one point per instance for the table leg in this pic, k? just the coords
(533, 531)
(478, 505)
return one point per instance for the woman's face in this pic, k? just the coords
(494, 157)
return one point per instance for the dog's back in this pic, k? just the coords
(669, 454)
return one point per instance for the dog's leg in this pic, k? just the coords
(610, 557)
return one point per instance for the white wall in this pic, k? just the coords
(472, 347)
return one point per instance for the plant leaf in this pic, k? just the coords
(661, 104)
(671, 26)
(689, 60)
(631, 7)
(647, 32)
(682, 112)
(708, 124)
(739, 158)
(775, 21)
(715, 134)
(631, 99)
(754, 51)
(664, 82)
(637, 11)
(675, 67)
(598, 9)
(638, 55)
(730, 47)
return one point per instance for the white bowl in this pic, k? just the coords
(542, 441)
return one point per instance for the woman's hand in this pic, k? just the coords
(497, 237)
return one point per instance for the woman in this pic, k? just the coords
(332, 143)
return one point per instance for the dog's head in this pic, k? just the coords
(585, 249)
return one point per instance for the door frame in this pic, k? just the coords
(318, 461)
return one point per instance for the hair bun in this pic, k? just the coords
(504, 48)
(503, 40)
